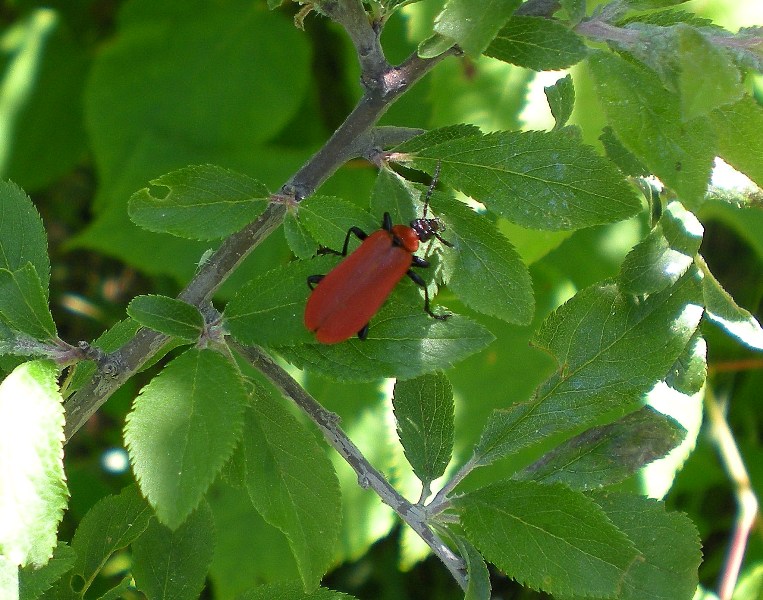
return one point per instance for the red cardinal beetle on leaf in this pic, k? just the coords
(344, 301)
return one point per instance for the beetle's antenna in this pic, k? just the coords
(432, 185)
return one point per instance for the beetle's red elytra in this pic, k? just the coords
(343, 302)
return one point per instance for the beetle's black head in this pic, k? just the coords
(426, 229)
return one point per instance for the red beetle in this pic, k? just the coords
(344, 300)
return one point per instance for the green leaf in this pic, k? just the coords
(435, 137)
(689, 372)
(620, 155)
(328, 219)
(547, 537)
(113, 523)
(292, 484)
(537, 43)
(22, 234)
(737, 127)
(24, 303)
(33, 495)
(300, 242)
(291, 590)
(44, 70)
(541, 180)
(118, 591)
(668, 544)
(140, 95)
(173, 564)
(699, 57)
(167, 315)
(34, 582)
(594, 338)
(650, 4)
(395, 195)
(679, 152)
(478, 585)
(237, 524)
(182, 429)
(665, 254)
(487, 274)
(726, 313)
(424, 413)
(472, 24)
(434, 46)
(402, 342)
(561, 100)
(607, 454)
(269, 309)
(575, 10)
(200, 203)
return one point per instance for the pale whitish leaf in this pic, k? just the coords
(478, 584)
(737, 127)
(172, 565)
(328, 219)
(199, 202)
(487, 273)
(689, 372)
(34, 582)
(594, 338)
(646, 118)
(22, 235)
(167, 315)
(33, 494)
(424, 412)
(292, 484)
(665, 254)
(403, 341)
(541, 180)
(182, 428)
(269, 309)
(561, 100)
(668, 544)
(113, 523)
(291, 590)
(708, 79)
(24, 303)
(473, 23)
(607, 454)
(537, 43)
(547, 537)
(300, 242)
(9, 579)
(726, 313)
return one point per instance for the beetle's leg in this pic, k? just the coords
(416, 278)
(419, 262)
(387, 222)
(358, 232)
(313, 280)
(363, 333)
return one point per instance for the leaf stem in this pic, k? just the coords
(440, 502)
(747, 502)
(368, 476)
